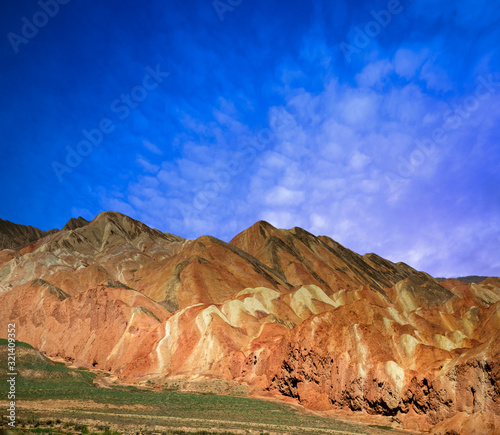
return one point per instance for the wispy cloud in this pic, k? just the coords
(263, 117)
(330, 171)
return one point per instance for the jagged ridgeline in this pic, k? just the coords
(285, 312)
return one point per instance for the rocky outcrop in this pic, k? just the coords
(75, 223)
(371, 358)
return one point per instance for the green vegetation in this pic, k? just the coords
(84, 431)
(4, 342)
(41, 379)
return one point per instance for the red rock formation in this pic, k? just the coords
(205, 270)
(99, 327)
(367, 357)
(301, 258)
(290, 314)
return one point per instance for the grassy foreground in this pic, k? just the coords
(52, 398)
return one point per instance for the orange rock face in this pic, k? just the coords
(368, 357)
(99, 327)
(292, 315)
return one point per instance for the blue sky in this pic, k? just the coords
(375, 123)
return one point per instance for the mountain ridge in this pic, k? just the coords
(16, 236)
(291, 315)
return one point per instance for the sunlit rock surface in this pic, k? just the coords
(291, 315)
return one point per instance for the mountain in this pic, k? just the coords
(301, 258)
(111, 247)
(15, 236)
(169, 269)
(75, 223)
(205, 270)
(294, 316)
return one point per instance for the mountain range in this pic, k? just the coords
(292, 315)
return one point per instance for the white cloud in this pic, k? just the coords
(152, 147)
(407, 62)
(318, 223)
(374, 73)
(147, 166)
(325, 167)
(359, 161)
(435, 77)
(281, 196)
(359, 108)
(279, 219)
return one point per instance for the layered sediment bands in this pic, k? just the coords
(288, 314)
(111, 247)
(302, 258)
(171, 270)
(100, 327)
(377, 359)
(205, 270)
(212, 340)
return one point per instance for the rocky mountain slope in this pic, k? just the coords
(291, 315)
(15, 236)
(75, 223)
(302, 258)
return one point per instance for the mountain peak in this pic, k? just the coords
(75, 223)
(110, 215)
(262, 226)
(260, 229)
